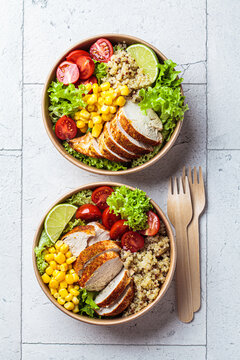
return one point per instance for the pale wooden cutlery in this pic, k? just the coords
(179, 208)
(196, 185)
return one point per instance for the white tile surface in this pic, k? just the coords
(91, 352)
(223, 74)
(10, 258)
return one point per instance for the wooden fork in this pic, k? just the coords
(179, 207)
(198, 204)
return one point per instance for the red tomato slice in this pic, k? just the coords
(92, 80)
(100, 191)
(102, 202)
(109, 218)
(132, 241)
(86, 67)
(101, 50)
(153, 224)
(65, 128)
(67, 73)
(118, 229)
(75, 54)
(88, 212)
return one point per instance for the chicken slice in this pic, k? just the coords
(78, 238)
(86, 145)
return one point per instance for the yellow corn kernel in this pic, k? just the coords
(53, 284)
(53, 264)
(120, 101)
(49, 257)
(105, 86)
(104, 94)
(74, 292)
(64, 267)
(97, 119)
(55, 272)
(107, 117)
(69, 305)
(101, 101)
(76, 309)
(72, 271)
(71, 260)
(56, 295)
(60, 258)
(84, 114)
(70, 266)
(86, 97)
(58, 267)
(61, 301)
(94, 113)
(45, 278)
(115, 94)
(75, 300)
(124, 90)
(95, 88)
(58, 244)
(49, 270)
(90, 125)
(105, 109)
(84, 129)
(60, 276)
(53, 291)
(91, 108)
(70, 287)
(77, 115)
(52, 250)
(108, 100)
(92, 99)
(75, 277)
(80, 124)
(112, 109)
(88, 87)
(63, 284)
(64, 248)
(68, 254)
(69, 297)
(96, 130)
(69, 279)
(76, 287)
(63, 292)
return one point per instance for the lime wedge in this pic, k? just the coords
(57, 219)
(146, 59)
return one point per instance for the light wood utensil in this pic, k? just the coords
(196, 185)
(179, 208)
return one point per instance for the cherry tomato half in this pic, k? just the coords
(132, 241)
(109, 218)
(101, 50)
(118, 229)
(88, 212)
(65, 128)
(153, 224)
(75, 54)
(67, 73)
(92, 80)
(101, 191)
(86, 67)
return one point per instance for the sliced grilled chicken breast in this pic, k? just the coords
(107, 153)
(101, 271)
(113, 290)
(101, 233)
(77, 239)
(120, 305)
(114, 146)
(86, 145)
(146, 128)
(91, 252)
(125, 140)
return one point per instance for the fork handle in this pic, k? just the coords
(183, 277)
(193, 243)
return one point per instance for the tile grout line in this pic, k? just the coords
(109, 344)
(206, 44)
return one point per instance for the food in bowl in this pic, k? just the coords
(115, 107)
(104, 252)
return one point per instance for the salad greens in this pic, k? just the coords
(81, 198)
(132, 205)
(165, 98)
(100, 70)
(72, 224)
(44, 243)
(97, 163)
(87, 303)
(146, 157)
(65, 99)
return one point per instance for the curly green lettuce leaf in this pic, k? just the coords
(87, 304)
(146, 157)
(44, 243)
(65, 99)
(100, 70)
(72, 224)
(81, 198)
(97, 163)
(132, 205)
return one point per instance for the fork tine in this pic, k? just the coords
(195, 180)
(187, 189)
(175, 186)
(170, 187)
(180, 181)
(183, 177)
(200, 176)
(190, 175)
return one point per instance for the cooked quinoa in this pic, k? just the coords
(148, 269)
(122, 69)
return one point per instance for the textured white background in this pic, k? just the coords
(203, 38)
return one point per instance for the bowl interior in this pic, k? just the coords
(114, 321)
(85, 45)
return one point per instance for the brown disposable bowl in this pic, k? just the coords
(119, 320)
(85, 45)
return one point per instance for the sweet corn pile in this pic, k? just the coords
(102, 104)
(61, 277)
